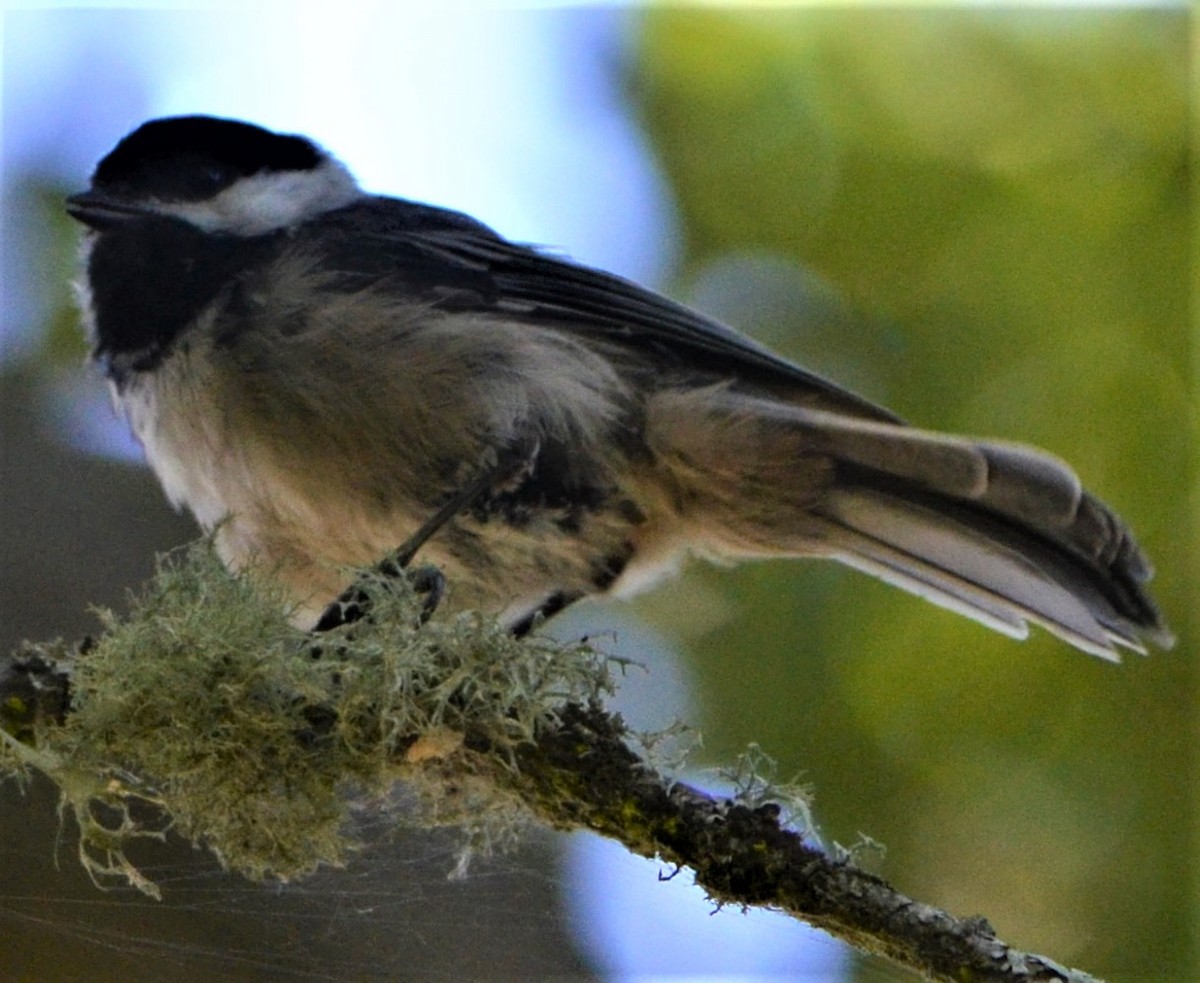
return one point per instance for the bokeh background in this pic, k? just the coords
(979, 216)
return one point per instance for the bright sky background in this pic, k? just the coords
(512, 116)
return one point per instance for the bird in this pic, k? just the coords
(327, 378)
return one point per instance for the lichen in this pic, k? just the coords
(754, 777)
(256, 739)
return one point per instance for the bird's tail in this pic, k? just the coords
(1002, 533)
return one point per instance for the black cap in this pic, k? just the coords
(191, 158)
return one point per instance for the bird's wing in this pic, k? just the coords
(465, 265)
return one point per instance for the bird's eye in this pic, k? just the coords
(205, 176)
(215, 176)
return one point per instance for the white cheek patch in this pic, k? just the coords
(82, 288)
(270, 201)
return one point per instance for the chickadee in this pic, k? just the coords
(317, 373)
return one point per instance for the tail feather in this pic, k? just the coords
(1002, 533)
(998, 577)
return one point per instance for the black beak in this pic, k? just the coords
(101, 211)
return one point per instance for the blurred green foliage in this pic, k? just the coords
(1003, 196)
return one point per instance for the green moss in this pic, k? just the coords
(254, 738)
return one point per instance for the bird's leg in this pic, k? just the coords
(353, 604)
(548, 609)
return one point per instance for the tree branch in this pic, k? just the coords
(570, 765)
